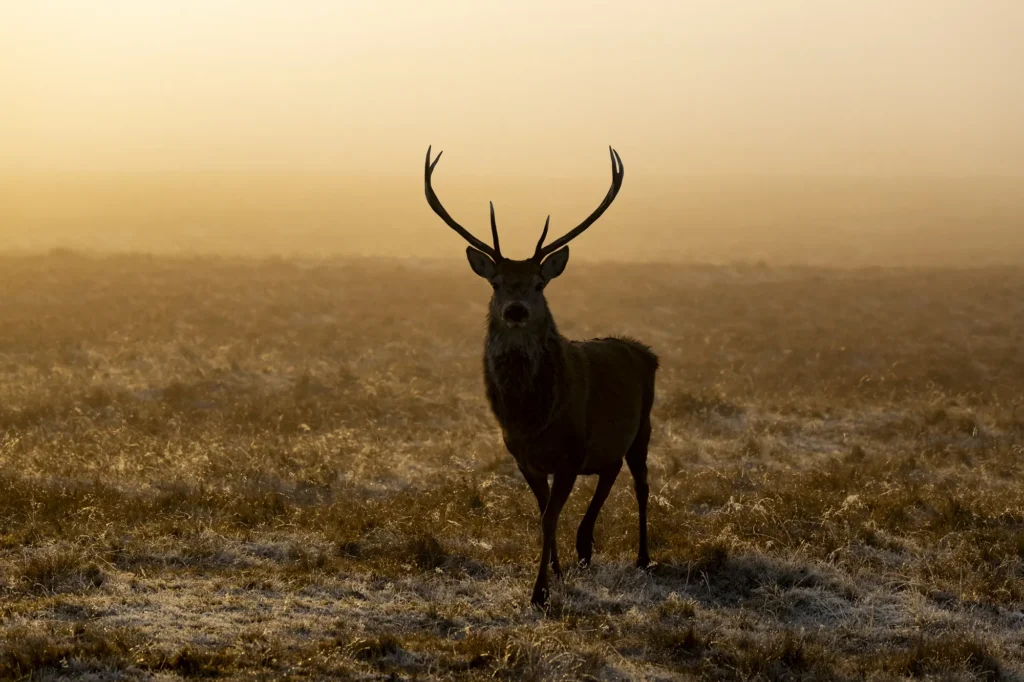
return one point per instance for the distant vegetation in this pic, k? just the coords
(819, 221)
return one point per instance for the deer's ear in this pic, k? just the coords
(555, 264)
(481, 264)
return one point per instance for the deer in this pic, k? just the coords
(566, 408)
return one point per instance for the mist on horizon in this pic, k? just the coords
(781, 130)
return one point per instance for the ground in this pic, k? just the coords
(287, 469)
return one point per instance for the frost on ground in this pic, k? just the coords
(287, 470)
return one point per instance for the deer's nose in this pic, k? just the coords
(515, 313)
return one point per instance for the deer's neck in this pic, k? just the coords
(522, 371)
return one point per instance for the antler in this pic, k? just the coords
(435, 203)
(543, 251)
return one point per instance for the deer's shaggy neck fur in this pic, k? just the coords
(523, 372)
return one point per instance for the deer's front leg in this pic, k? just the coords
(539, 485)
(560, 489)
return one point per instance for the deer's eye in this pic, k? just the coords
(494, 286)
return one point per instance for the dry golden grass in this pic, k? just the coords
(284, 469)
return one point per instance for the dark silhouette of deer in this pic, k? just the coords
(566, 408)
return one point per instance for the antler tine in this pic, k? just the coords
(435, 204)
(543, 236)
(617, 172)
(494, 232)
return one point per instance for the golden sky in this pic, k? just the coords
(301, 125)
(534, 87)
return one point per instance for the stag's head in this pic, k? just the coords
(518, 301)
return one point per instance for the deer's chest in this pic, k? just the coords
(522, 392)
(528, 400)
(543, 451)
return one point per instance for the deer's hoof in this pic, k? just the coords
(540, 596)
(643, 562)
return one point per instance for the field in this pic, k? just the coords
(286, 469)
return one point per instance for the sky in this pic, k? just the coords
(923, 86)
(530, 89)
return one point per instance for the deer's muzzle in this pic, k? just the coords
(515, 313)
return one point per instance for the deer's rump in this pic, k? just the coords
(620, 393)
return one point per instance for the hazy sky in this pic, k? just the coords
(762, 86)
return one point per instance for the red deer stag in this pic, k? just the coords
(566, 408)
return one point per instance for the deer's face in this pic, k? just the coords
(518, 300)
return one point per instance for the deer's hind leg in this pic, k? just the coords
(636, 459)
(585, 533)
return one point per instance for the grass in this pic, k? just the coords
(287, 470)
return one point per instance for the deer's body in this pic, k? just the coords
(566, 408)
(574, 403)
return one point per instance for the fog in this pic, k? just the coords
(786, 131)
